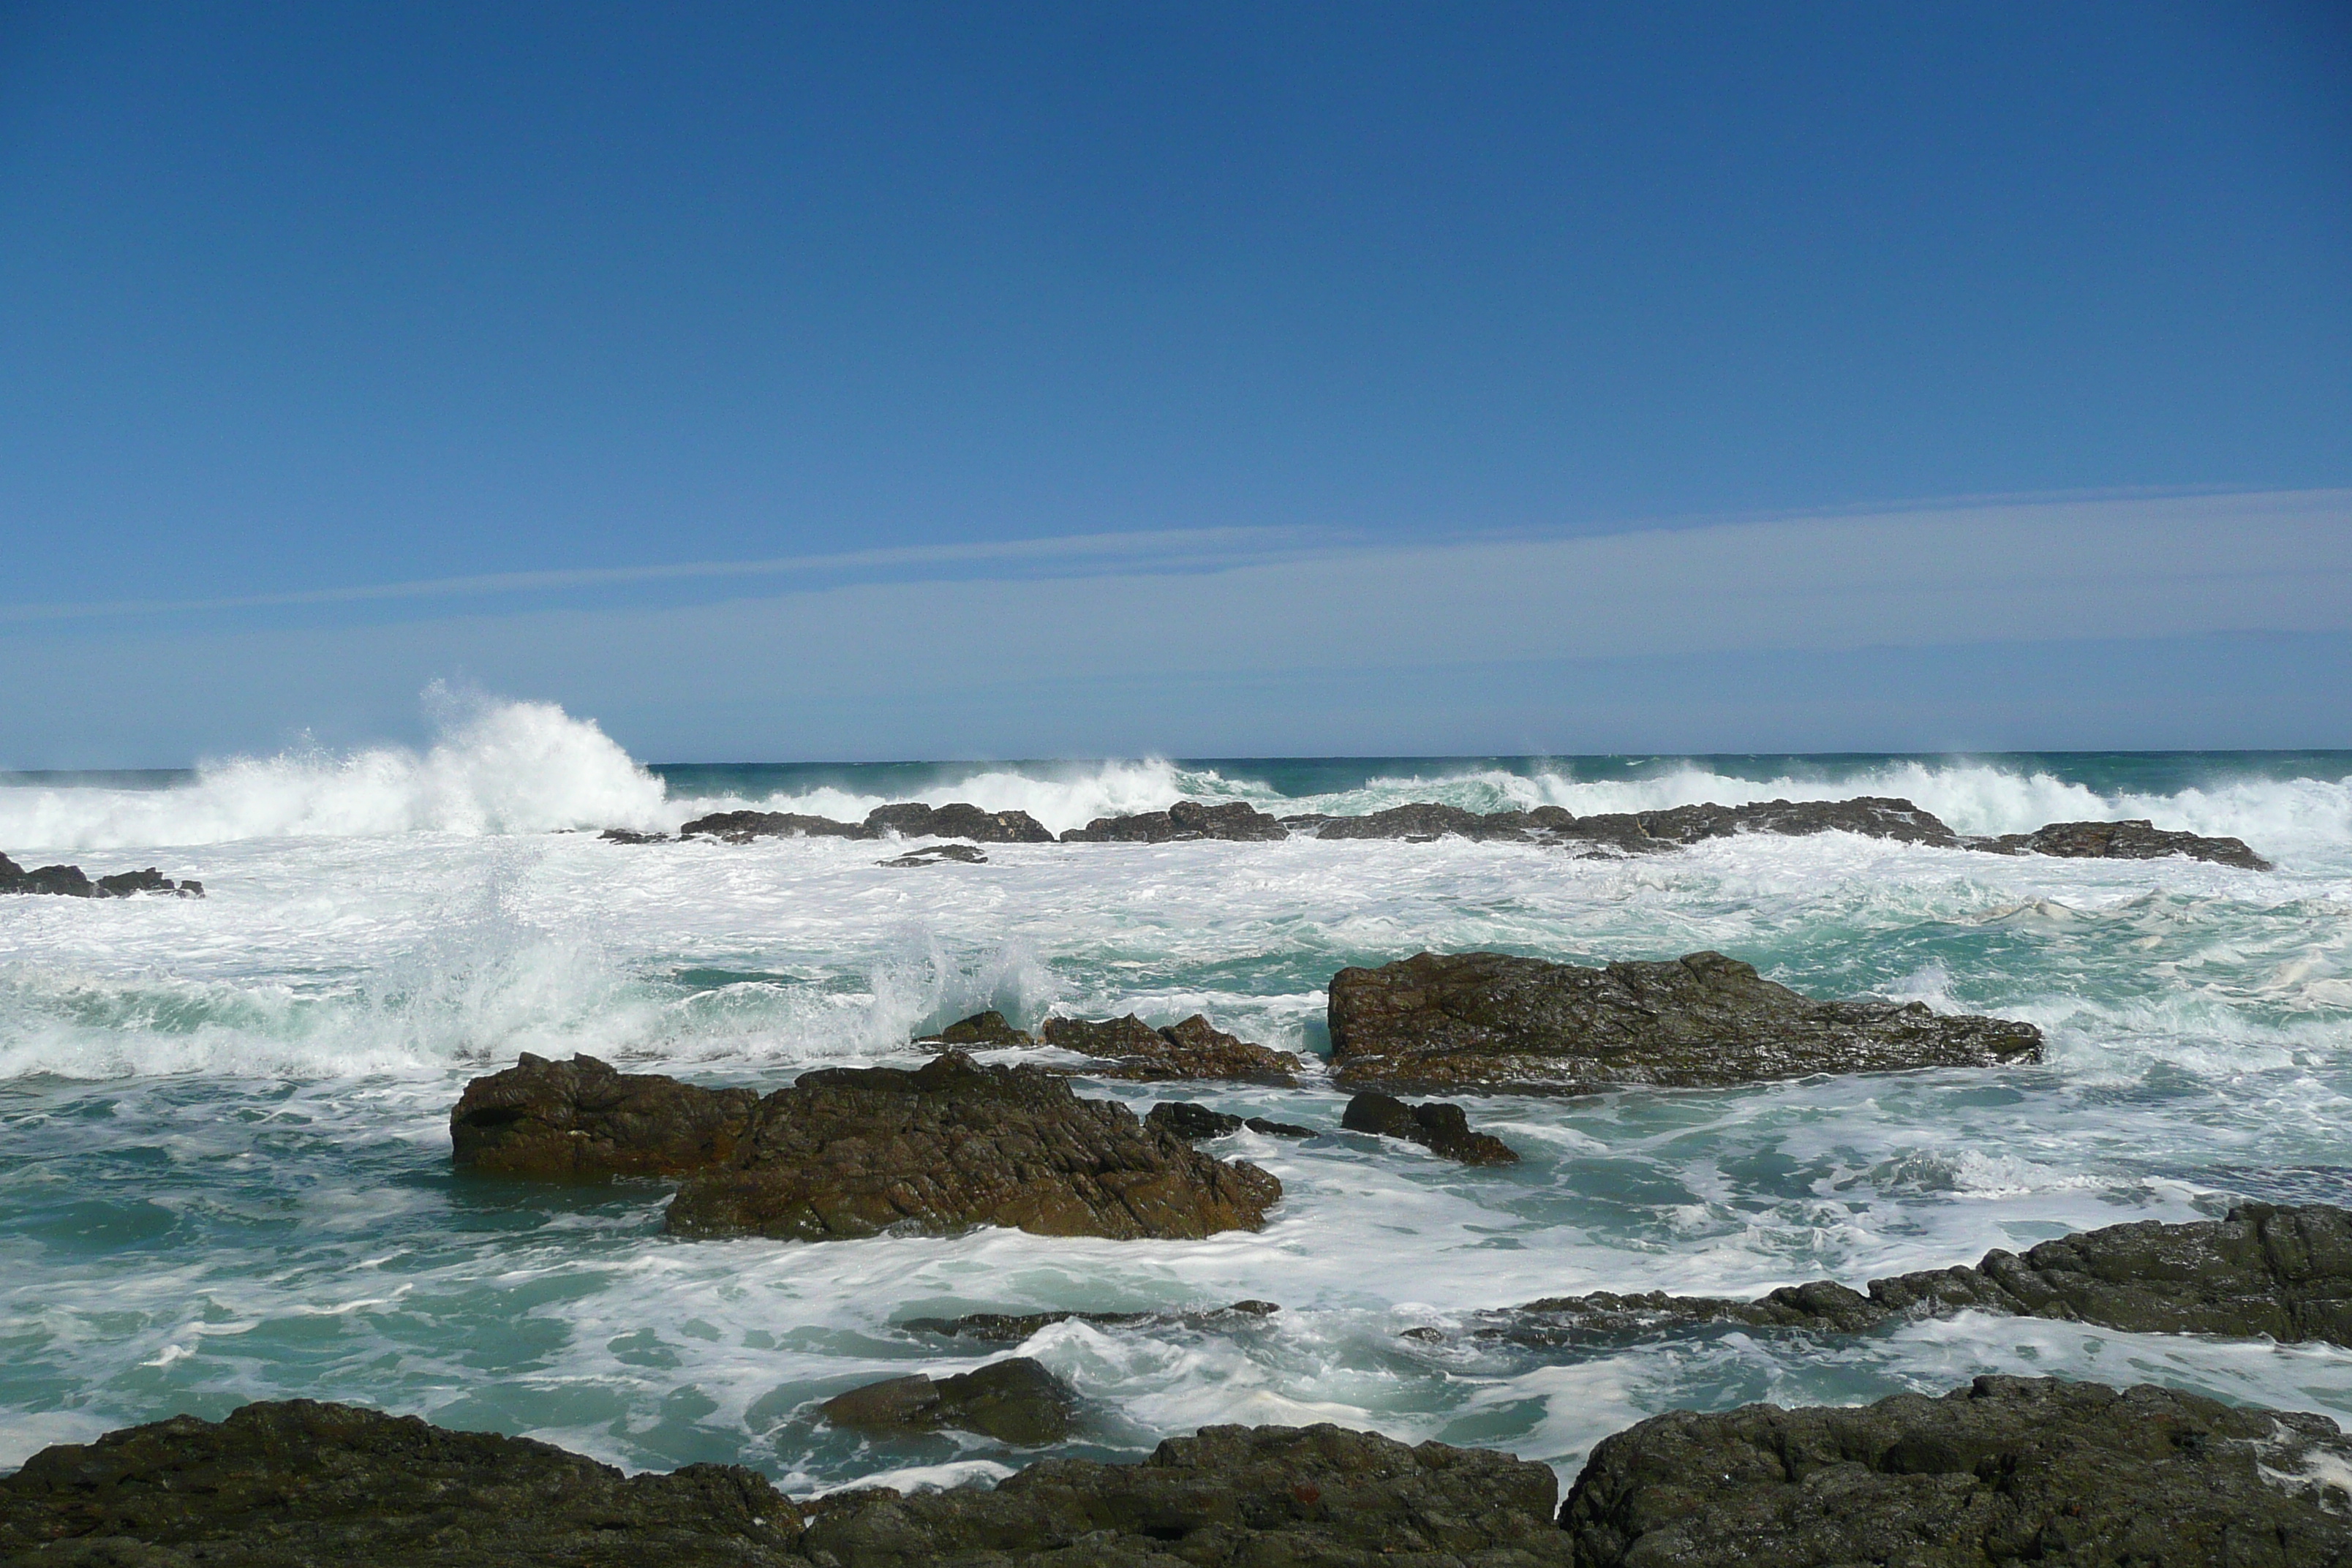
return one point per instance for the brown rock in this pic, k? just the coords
(581, 1120)
(2137, 839)
(1131, 1049)
(1013, 1401)
(983, 1029)
(1440, 1128)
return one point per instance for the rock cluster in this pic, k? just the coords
(1013, 1401)
(1187, 819)
(912, 819)
(2137, 839)
(937, 855)
(1489, 1020)
(857, 1151)
(1012, 1328)
(72, 882)
(582, 1120)
(1131, 1049)
(1189, 1120)
(1440, 1128)
(2281, 1273)
(2007, 1470)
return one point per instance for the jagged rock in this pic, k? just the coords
(1186, 819)
(1013, 1401)
(1427, 819)
(581, 1120)
(2137, 839)
(2283, 1273)
(2007, 1470)
(298, 1484)
(1131, 1049)
(983, 1029)
(1440, 1128)
(1873, 816)
(1012, 1328)
(853, 1151)
(1193, 1121)
(1316, 1497)
(1491, 1021)
(631, 835)
(956, 820)
(70, 881)
(743, 827)
(1870, 815)
(938, 854)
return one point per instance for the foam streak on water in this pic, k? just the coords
(224, 1150)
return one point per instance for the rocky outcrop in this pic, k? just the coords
(581, 1121)
(1192, 1122)
(1491, 1021)
(1131, 1049)
(2007, 1470)
(1013, 1328)
(983, 1030)
(743, 826)
(1187, 819)
(72, 882)
(1013, 1401)
(2281, 1273)
(2137, 839)
(298, 1484)
(631, 835)
(936, 855)
(852, 1151)
(1440, 1128)
(958, 820)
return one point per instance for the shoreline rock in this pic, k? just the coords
(2264, 1270)
(2134, 840)
(1015, 1401)
(1491, 1021)
(72, 882)
(1013, 1328)
(857, 1151)
(2008, 1469)
(1235, 821)
(987, 1029)
(1192, 1123)
(937, 854)
(1442, 1129)
(582, 1120)
(1131, 1049)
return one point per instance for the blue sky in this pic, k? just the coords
(774, 381)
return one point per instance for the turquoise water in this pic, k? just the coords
(224, 1161)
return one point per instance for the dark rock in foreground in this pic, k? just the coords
(2137, 839)
(1187, 819)
(852, 1151)
(1131, 1049)
(1193, 1121)
(72, 882)
(958, 820)
(1491, 1021)
(936, 855)
(2007, 1470)
(1013, 1401)
(302, 1484)
(1012, 1328)
(1440, 1128)
(743, 826)
(582, 1120)
(2284, 1273)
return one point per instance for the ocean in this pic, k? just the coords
(225, 1158)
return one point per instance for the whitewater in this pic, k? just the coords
(223, 1146)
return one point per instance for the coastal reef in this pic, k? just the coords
(1491, 1021)
(1015, 1400)
(72, 882)
(1443, 1129)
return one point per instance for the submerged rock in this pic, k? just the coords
(1013, 1401)
(938, 854)
(957, 820)
(1491, 1021)
(2007, 1470)
(2281, 1273)
(743, 826)
(581, 1120)
(1440, 1128)
(72, 882)
(1131, 1049)
(2137, 839)
(853, 1151)
(297, 1484)
(1189, 1120)
(631, 835)
(1186, 819)
(1012, 1328)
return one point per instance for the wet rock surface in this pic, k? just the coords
(1493, 1021)
(1132, 1049)
(1189, 1120)
(850, 1152)
(2007, 1470)
(743, 826)
(72, 882)
(2137, 839)
(631, 836)
(957, 820)
(1442, 1129)
(1012, 1328)
(300, 1485)
(2281, 1273)
(582, 1120)
(982, 1029)
(937, 854)
(1187, 819)
(1013, 1401)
